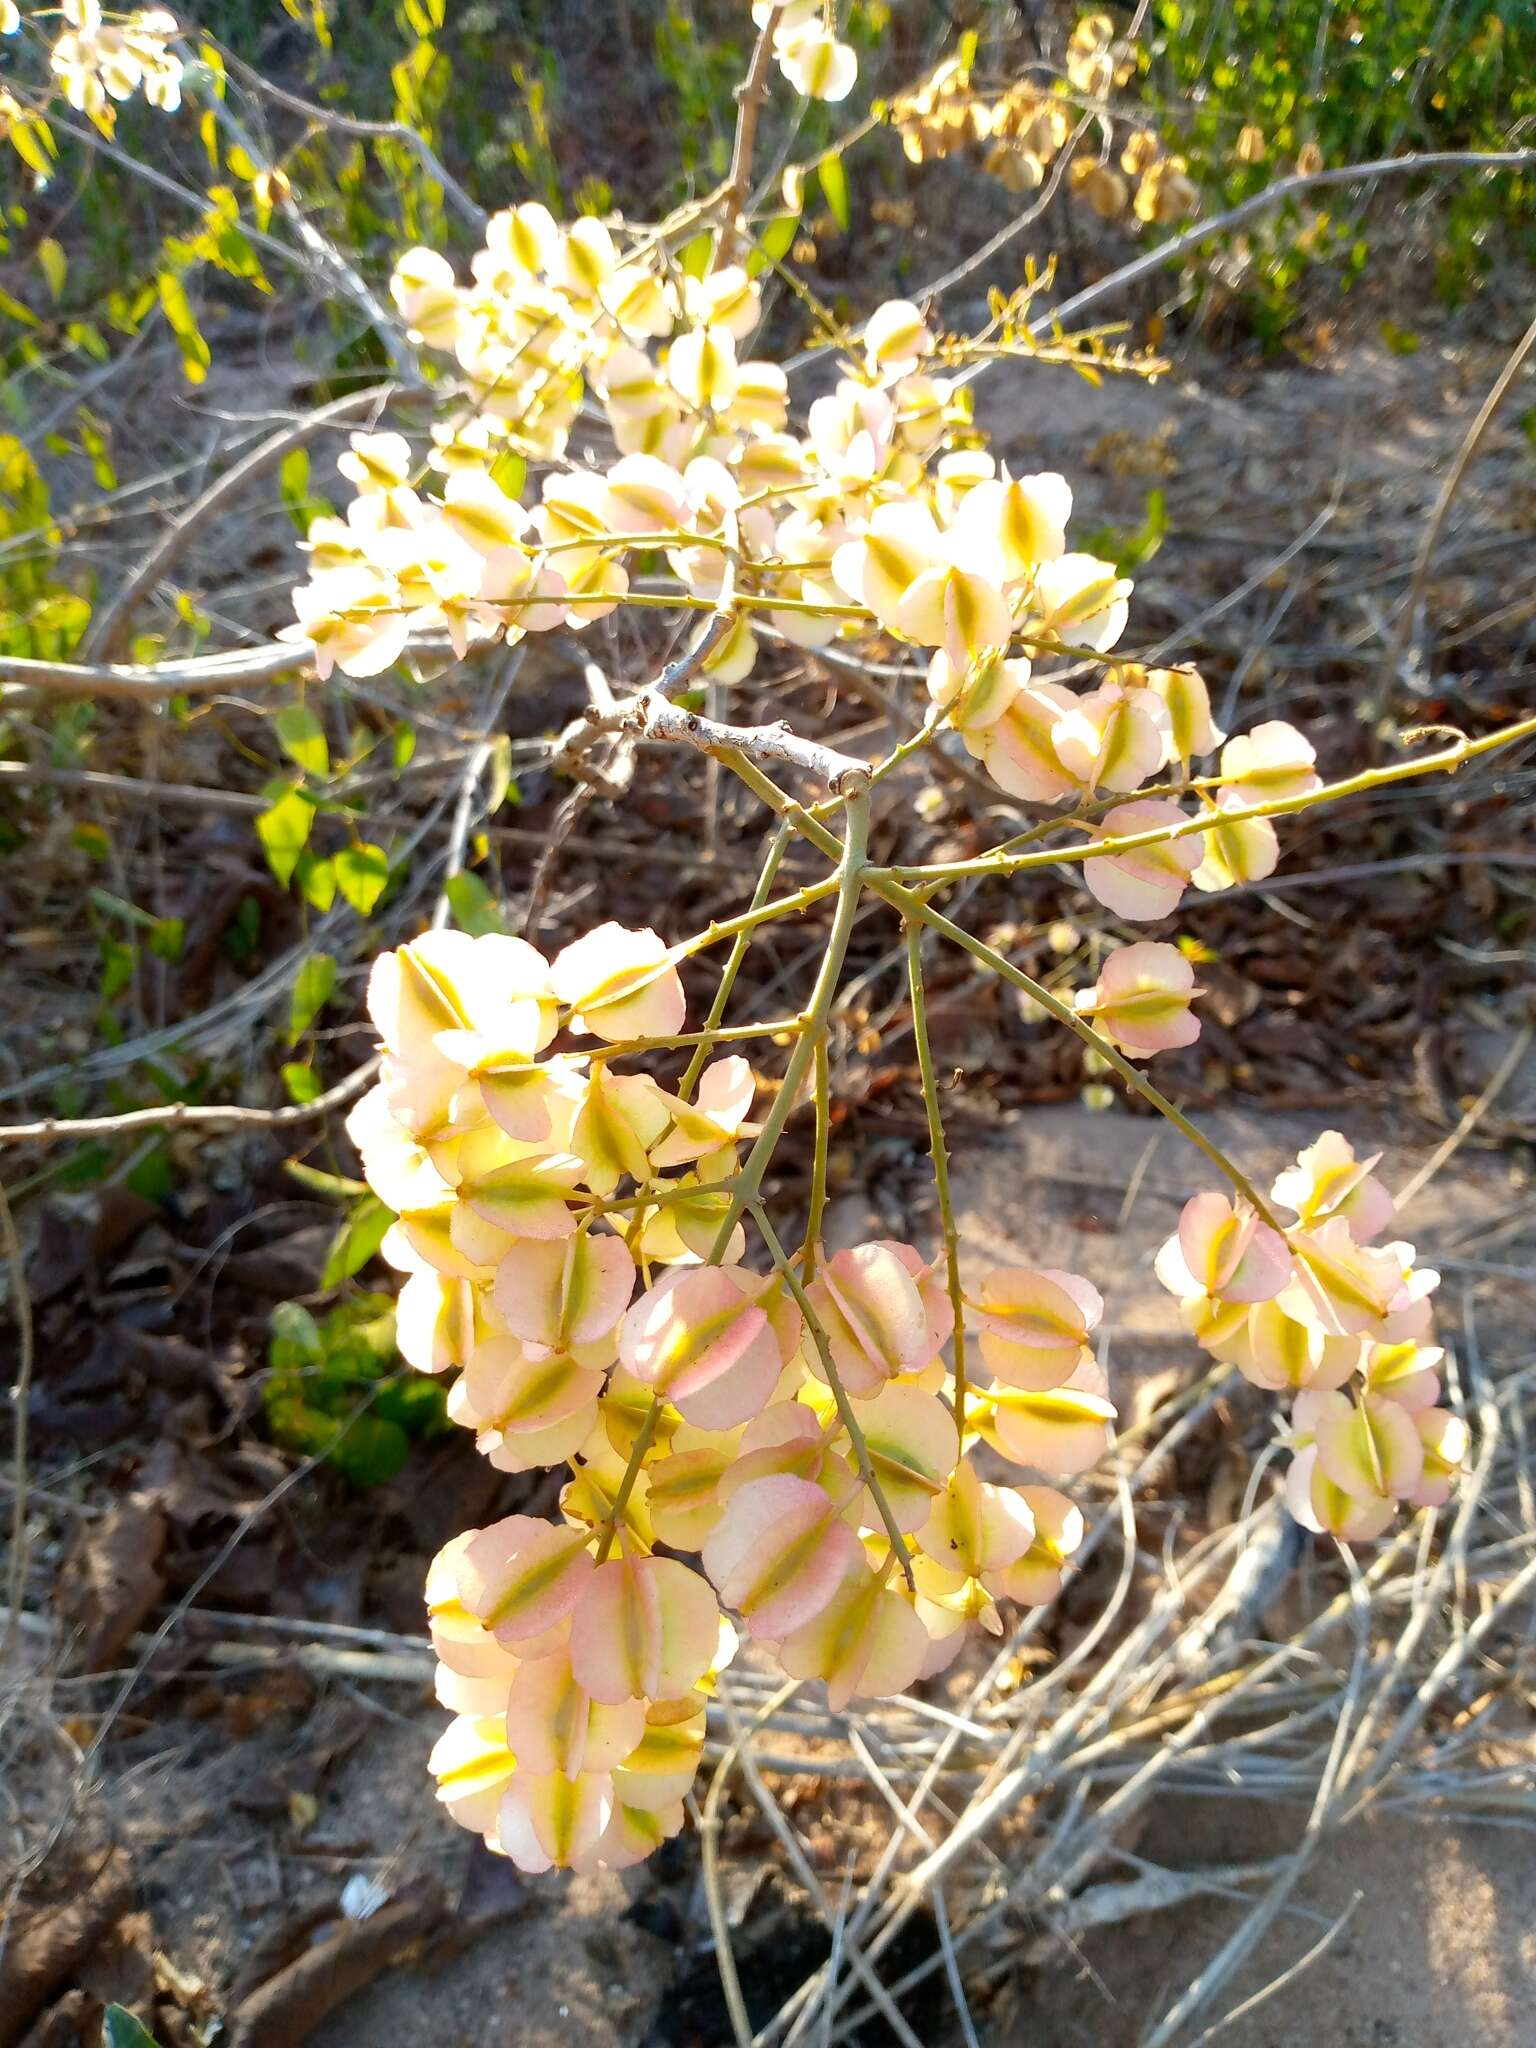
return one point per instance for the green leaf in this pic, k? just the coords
(509, 472)
(301, 1082)
(283, 828)
(474, 908)
(182, 321)
(168, 937)
(694, 257)
(834, 189)
(117, 965)
(356, 1241)
(302, 738)
(119, 2029)
(317, 879)
(312, 990)
(14, 309)
(296, 1339)
(500, 784)
(402, 745)
(50, 255)
(371, 1451)
(152, 1177)
(778, 238)
(293, 481)
(361, 872)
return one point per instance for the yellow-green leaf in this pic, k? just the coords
(834, 188)
(283, 829)
(317, 879)
(313, 989)
(301, 1081)
(302, 738)
(361, 872)
(50, 254)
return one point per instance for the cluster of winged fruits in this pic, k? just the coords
(574, 1233)
(575, 1250)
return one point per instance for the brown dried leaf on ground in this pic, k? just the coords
(288, 2007)
(111, 1582)
(50, 1944)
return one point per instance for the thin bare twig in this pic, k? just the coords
(1178, 246)
(1408, 635)
(21, 1392)
(192, 1115)
(111, 621)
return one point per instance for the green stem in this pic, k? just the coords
(771, 863)
(1444, 762)
(849, 875)
(939, 1150)
(821, 1092)
(643, 1442)
(914, 906)
(749, 1181)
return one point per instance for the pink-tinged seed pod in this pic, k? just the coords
(522, 1576)
(1405, 1373)
(1146, 882)
(869, 1300)
(1035, 1327)
(1036, 1577)
(530, 1198)
(702, 1338)
(646, 1628)
(1021, 521)
(1347, 1289)
(1063, 1431)
(663, 1764)
(1272, 761)
(618, 1118)
(1018, 749)
(684, 1496)
(563, 1294)
(1221, 1248)
(514, 1388)
(462, 1641)
(1445, 1440)
(910, 1436)
(554, 1724)
(554, 1822)
(1082, 601)
(978, 695)
(1112, 739)
(866, 1643)
(438, 1322)
(785, 1437)
(1284, 1355)
(1368, 1448)
(715, 1118)
(1326, 1509)
(635, 1832)
(1191, 729)
(1236, 850)
(1141, 1000)
(620, 984)
(974, 1528)
(473, 1767)
(779, 1554)
(1327, 1180)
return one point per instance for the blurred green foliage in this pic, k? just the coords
(1378, 78)
(320, 1373)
